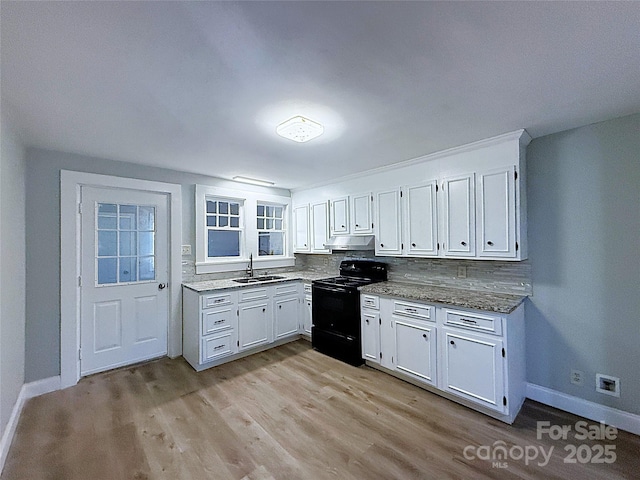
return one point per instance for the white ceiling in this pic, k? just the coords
(201, 86)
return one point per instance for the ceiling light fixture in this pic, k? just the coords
(253, 181)
(300, 129)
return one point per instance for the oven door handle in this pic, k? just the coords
(332, 289)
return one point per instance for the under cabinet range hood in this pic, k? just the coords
(351, 242)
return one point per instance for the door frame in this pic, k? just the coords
(71, 183)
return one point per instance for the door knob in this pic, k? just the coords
(162, 286)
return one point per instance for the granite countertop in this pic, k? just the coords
(229, 284)
(458, 297)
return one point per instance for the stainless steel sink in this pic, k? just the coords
(264, 278)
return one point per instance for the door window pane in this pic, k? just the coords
(146, 243)
(107, 243)
(128, 243)
(146, 218)
(128, 217)
(128, 267)
(147, 269)
(107, 270)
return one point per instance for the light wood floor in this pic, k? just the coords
(287, 413)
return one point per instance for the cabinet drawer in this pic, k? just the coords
(216, 300)
(217, 346)
(217, 320)
(414, 310)
(285, 289)
(371, 301)
(253, 294)
(474, 321)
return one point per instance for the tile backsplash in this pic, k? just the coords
(483, 275)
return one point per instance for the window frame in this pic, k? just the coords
(283, 229)
(249, 241)
(240, 228)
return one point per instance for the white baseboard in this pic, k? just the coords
(629, 422)
(28, 390)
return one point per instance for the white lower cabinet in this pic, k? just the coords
(254, 327)
(210, 324)
(470, 356)
(416, 349)
(220, 326)
(370, 321)
(286, 316)
(474, 368)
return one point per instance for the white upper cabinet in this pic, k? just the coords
(339, 212)
(421, 220)
(301, 224)
(361, 213)
(496, 204)
(458, 204)
(319, 227)
(468, 202)
(388, 223)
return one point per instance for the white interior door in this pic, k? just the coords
(124, 271)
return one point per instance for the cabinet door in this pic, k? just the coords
(459, 216)
(301, 220)
(361, 213)
(371, 336)
(474, 369)
(496, 199)
(339, 212)
(255, 325)
(388, 223)
(421, 220)
(319, 227)
(286, 316)
(308, 316)
(416, 350)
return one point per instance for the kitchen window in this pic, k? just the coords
(232, 224)
(271, 231)
(224, 231)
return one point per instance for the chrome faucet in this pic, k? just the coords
(249, 269)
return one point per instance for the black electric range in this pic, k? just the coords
(336, 309)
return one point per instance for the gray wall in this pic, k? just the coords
(12, 269)
(584, 237)
(43, 240)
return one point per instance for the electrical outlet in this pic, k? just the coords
(186, 249)
(577, 377)
(462, 271)
(326, 261)
(608, 385)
